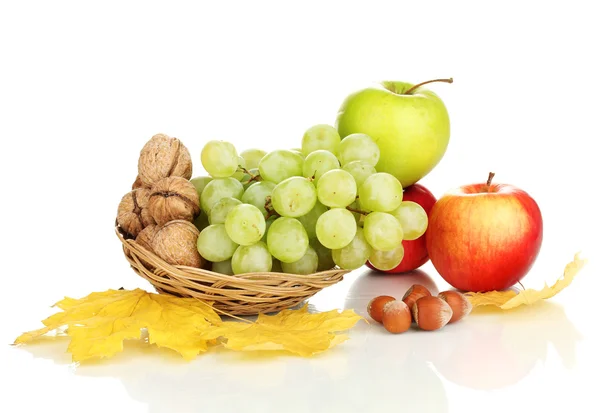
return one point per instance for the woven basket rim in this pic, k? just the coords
(245, 278)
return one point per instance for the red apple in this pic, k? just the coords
(415, 251)
(484, 236)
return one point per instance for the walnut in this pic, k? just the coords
(175, 242)
(133, 214)
(137, 183)
(163, 156)
(145, 237)
(173, 198)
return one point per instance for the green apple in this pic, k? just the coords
(409, 123)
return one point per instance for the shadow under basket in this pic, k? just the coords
(243, 294)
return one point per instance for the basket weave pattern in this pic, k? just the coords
(244, 294)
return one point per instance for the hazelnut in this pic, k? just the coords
(415, 292)
(461, 306)
(133, 214)
(173, 198)
(163, 156)
(375, 306)
(396, 316)
(175, 242)
(431, 313)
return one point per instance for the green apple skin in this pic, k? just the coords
(411, 130)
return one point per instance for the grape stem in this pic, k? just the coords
(269, 208)
(252, 176)
(271, 213)
(358, 211)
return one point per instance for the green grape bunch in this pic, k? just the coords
(305, 210)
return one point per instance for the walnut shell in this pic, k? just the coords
(175, 242)
(163, 156)
(146, 236)
(137, 183)
(173, 198)
(133, 214)
(144, 239)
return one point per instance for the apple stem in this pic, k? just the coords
(415, 87)
(489, 181)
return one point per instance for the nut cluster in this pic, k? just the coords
(159, 210)
(420, 307)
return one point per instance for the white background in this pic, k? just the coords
(83, 85)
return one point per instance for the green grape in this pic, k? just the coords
(325, 259)
(387, 260)
(412, 218)
(358, 147)
(257, 194)
(360, 170)
(319, 162)
(309, 221)
(336, 189)
(219, 211)
(201, 221)
(252, 157)
(336, 228)
(200, 183)
(287, 240)
(239, 173)
(320, 137)
(383, 231)
(223, 267)
(299, 152)
(251, 258)
(380, 192)
(279, 165)
(245, 224)
(219, 158)
(276, 266)
(353, 255)
(220, 188)
(308, 264)
(214, 244)
(294, 197)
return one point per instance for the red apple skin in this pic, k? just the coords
(483, 240)
(415, 251)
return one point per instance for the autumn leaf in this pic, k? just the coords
(510, 299)
(296, 331)
(99, 323)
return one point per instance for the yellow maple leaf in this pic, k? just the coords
(100, 322)
(510, 299)
(297, 331)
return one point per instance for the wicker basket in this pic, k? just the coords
(244, 294)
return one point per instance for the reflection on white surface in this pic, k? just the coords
(488, 354)
(486, 351)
